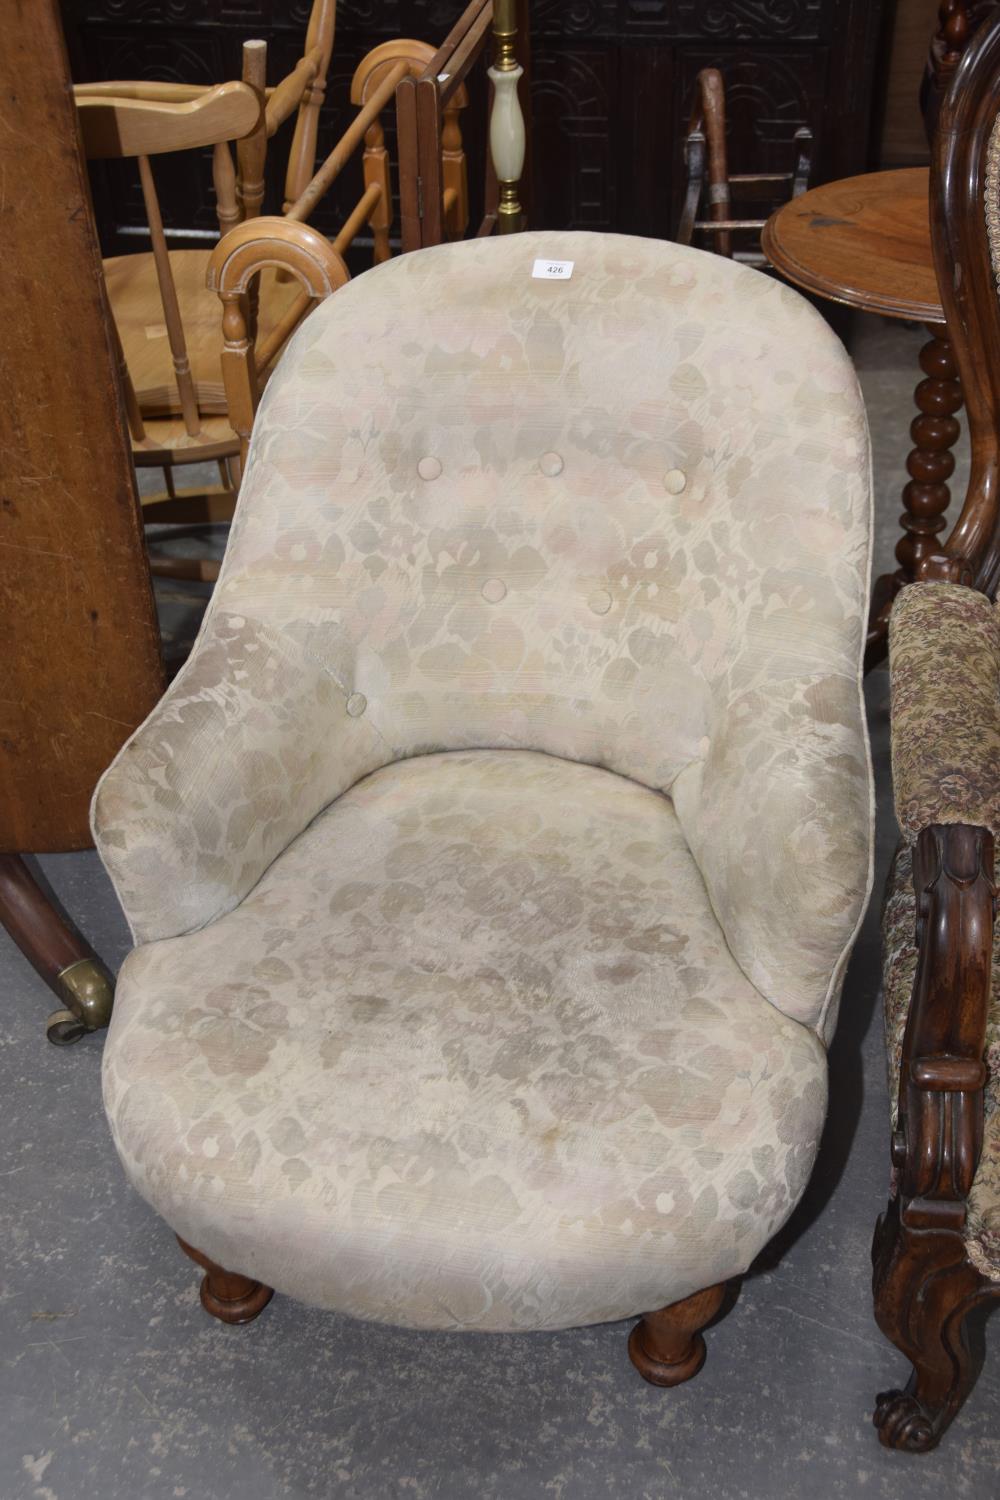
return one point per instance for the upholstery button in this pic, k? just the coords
(550, 464)
(675, 481)
(600, 601)
(429, 468)
(494, 589)
(356, 705)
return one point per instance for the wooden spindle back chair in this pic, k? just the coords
(172, 418)
(178, 409)
(708, 205)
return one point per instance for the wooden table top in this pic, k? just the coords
(864, 241)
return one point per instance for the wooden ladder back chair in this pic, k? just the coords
(708, 205)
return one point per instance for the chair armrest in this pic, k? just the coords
(251, 741)
(778, 815)
(939, 1135)
(944, 644)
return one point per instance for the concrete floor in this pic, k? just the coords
(115, 1384)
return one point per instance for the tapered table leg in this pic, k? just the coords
(66, 962)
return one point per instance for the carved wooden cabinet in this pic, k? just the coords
(612, 82)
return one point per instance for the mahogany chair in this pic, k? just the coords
(708, 211)
(494, 860)
(937, 1248)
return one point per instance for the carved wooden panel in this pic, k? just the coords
(611, 86)
(748, 20)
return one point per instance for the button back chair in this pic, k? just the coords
(494, 861)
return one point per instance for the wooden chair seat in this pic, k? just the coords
(167, 441)
(138, 310)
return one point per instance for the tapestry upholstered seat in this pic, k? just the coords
(495, 860)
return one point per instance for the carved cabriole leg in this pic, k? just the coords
(924, 1284)
(227, 1296)
(924, 1288)
(926, 496)
(666, 1347)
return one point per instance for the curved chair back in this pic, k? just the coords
(965, 228)
(595, 513)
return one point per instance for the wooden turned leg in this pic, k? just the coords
(57, 952)
(926, 496)
(227, 1296)
(666, 1347)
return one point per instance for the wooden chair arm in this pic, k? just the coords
(939, 1137)
(128, 125)
(143, 88)
(234, 263)
(944, 660)
(275, 241)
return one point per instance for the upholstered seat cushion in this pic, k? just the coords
(900, 964)
(473, 1054)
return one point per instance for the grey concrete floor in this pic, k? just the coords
(114, 1383)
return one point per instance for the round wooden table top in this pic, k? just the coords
(864, 241)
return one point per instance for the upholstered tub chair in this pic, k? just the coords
(494, 862)
(937, 1247)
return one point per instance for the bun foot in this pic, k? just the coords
(657, 1371)
(226, 1295)
(666, 1347)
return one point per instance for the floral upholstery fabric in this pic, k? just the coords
(622, 519)
(618, 526)
(473, 1054)
(899, 950)
(945, 657)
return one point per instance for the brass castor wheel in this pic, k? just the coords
(63, 1028)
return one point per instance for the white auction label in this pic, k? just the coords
(553, 270)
